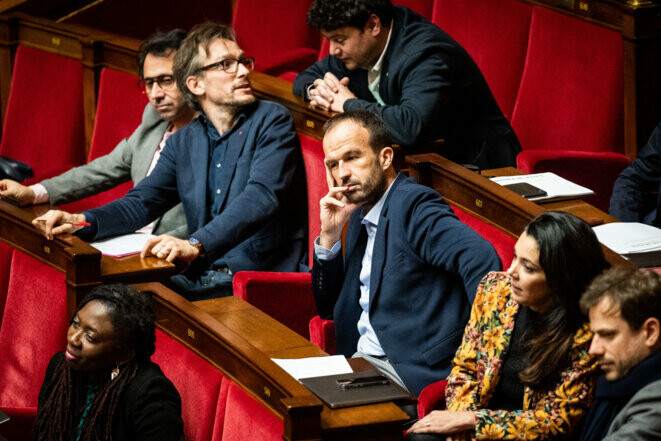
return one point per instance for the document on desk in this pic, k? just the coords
(629, 237)
(556, 187)
(314, 366)
(121, 246)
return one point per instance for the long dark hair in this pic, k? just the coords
(571, 256)
(133, 320)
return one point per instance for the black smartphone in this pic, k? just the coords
(348, 383)
(526, 190)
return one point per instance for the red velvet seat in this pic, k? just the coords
(43, 125)
(431, 398)
(33, 329)
(495, 34)
(198, 384)
(276, 48)
(119, 111)
(245, 418)
(570, 102)
(287, 297)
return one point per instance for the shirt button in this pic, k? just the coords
(218, 165)
(218, 191)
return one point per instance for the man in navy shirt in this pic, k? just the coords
(236, 169)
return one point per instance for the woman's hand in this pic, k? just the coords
(445, 421)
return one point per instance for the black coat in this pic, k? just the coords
(148, 410)
(432, 89)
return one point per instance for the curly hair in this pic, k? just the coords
(329, 15)
(132, 318)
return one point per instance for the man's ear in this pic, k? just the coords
(386, 157)
(652, 329)
(196, 85)
(373, 25)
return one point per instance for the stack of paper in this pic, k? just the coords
(122, 245)
(314, 366)
(555, 186)
(637, 242)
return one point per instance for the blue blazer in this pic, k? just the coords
(637, 191)
(432, 89)
(426, 266)
(262, 222)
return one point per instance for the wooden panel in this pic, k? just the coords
(239, 340)
(493, 203)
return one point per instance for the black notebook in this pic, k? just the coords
(334, 395)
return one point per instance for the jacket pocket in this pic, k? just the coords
(444, 349)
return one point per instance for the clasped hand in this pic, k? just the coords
(330, 93)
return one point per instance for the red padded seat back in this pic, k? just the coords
(503, 243)
(5, 263)
(34, 328)
(495, 34)
(260, 31)
(245, 418)
(43, 126)
(119, 111)
(422, 7)
(571, 94)
(315, 176)
(197, 382)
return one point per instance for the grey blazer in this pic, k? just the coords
(129, 160)
(640, 419)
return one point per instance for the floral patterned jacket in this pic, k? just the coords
(477, 368)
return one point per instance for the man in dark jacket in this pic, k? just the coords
(391, 61)
(625, 315)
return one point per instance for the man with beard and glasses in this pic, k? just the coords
(401, 294)
(236, 168)
(134, 157)
(624, 306)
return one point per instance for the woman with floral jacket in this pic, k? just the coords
(523, 370)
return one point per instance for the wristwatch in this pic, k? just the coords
(197, 244)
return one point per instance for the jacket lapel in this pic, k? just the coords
(378, 258)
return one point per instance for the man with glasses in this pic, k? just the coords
(236, 168)
(425, 86)
(134, 157)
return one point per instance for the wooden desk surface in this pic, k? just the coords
(381, 421)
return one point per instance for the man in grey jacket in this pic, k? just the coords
(624, 306)
(134, 157)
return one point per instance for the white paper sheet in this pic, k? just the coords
(122, 245)
(629, 237)
(555, 186)
(314, 366)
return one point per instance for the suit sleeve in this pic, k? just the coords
(425, 90)
(640, 420)
(272, 171)
(556, 413)
(148, 200)
(445, 242)
(327, 280)
(103, 173)
(633, 197)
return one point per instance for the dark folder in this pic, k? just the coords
(336, 396)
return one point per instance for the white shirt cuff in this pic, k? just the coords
(308, 90)
(40, 193)
(323, 253)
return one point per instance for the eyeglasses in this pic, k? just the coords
(230, 65)
(165, 82)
